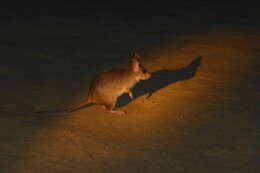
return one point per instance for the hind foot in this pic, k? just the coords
(118, 112)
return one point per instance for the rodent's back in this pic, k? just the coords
(111, 84)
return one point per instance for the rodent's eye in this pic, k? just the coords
(141, 67)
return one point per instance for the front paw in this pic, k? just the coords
(130, 94)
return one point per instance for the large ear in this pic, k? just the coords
(135, 62)
(136, 56)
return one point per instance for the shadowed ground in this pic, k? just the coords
(162, 78)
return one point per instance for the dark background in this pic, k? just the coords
(86, 8)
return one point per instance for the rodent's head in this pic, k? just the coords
(139, 70)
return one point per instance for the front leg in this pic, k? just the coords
(130, 94)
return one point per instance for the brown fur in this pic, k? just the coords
(110, 84)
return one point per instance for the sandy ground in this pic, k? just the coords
(199, 112)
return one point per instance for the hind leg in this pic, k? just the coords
(110, 107)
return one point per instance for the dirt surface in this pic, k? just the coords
(198, 113)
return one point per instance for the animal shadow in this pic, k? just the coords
(161, 79)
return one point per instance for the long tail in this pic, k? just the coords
(52, 111)
(84, 103)
(79, 106)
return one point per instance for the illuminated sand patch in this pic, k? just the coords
(92, 140)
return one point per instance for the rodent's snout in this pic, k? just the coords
(148, 76)
(145, 74)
